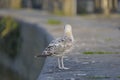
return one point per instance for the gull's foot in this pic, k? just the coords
(65, 68)
(60, 67)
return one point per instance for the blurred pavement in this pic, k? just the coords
(91, 34)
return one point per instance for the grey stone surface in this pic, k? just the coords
(34, 40)
(91, 34)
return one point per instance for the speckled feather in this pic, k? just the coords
(59, 46)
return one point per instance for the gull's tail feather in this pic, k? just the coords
(41, 56)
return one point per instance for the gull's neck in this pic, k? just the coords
(69, 34)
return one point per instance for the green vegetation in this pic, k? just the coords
(118, 76)
(108, 39)
(54, 22)
(7, 24)
(9, 36)
(100, 52)
(98, 77)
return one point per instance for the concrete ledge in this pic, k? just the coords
(34, 39)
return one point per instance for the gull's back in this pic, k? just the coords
(59, 46)
(62, 45)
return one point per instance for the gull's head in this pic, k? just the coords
(68, 29)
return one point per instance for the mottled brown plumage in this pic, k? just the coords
(60, 46)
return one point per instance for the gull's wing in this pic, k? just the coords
(54, 47)
(57, 47)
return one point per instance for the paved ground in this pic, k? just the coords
(91, 34)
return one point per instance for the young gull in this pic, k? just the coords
(60, 46)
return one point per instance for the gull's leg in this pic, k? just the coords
(59, 64)
(62, 62)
